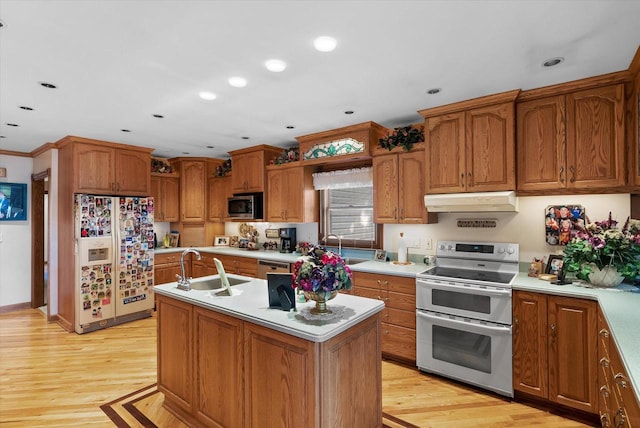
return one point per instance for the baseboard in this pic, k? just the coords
(15, 307)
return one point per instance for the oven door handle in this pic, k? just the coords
(471, 289)
(467, 325)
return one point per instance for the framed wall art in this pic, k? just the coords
(13, 201)
(562, 222)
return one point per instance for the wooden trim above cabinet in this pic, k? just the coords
(73, 139)
(489, 100)
(575, 85)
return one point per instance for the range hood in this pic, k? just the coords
(472, 202)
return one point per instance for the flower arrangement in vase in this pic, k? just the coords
(320, 275)
(603, 254)
(405, 136)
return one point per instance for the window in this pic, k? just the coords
(348, 213)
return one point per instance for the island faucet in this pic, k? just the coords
(339, 238)
(184, 282)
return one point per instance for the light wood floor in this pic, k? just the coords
(52, 378)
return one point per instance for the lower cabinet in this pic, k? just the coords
(219, 371)
(617, 403)
(554, 349)
(399, 314)
(246, 266)
(167, 266)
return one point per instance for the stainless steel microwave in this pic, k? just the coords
(247, 206)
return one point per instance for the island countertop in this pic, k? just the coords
(250, 302)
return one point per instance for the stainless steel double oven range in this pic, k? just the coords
(463, 314)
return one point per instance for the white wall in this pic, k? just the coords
(526, 227)
(15, 248)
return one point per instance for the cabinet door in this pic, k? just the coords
(573, 374)
(155, 192)
(411, 187)
(291, 198)
(490, 148)
(133, 172)
(95, 166)
(276, 189)
(541, 144)
(385, 183)
(219, 192)
(530, 368)
(445, 153)
(218, 369)
(192, 191)
(171, 199)
(175, 345)
(248, 172)
(595, 138)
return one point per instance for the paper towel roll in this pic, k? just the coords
(402, 249)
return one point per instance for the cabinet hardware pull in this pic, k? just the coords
(604, 333)
(604, 390)
(604, 420)
(395, 212)
(621, 380)
(516, 321)
(562, 174)
(604, 362)
(572, 169)
(623, 417)
(470, 182)
(553, 333)
(402, 213)
(462, 180)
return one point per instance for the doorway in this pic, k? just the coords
(39, 230)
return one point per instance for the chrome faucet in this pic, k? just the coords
(184, 283)
(339, 238)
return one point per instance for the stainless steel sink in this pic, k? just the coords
(353, 261)
(214, 284)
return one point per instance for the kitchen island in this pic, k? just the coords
(230, 361)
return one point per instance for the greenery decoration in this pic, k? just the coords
(223, 169)
(405, 136)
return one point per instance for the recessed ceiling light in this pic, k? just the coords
(2, 24)
(185, 153)
(433, 91)
(210, 147)
(48, 85)
(25, 108)
(245, 138)
(2, 136)
(290, 126)
(209, 96)
(12, 124)
(553, 61)
(275, 65)
(159, 116)
(237, 82)
(348, 112)
(325, 43)
(125, 130)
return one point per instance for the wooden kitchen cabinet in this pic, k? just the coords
(192, 190)
(238, 265)
(219, 190)
(572, 142)
(249, 172)
(165, 193)
(554, 349)
(398, 180)
(470, 146)
(292, 197)
(167, 266)
(618, 405)
(104, 168)
(399, 315)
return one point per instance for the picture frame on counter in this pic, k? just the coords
(555, 265)
(221, 241)
(174, 238)
(234, 241)
(380, 256)
(243, 243)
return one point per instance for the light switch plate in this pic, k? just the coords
(3, 172)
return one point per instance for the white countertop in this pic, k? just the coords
(620, 308)
(250, 302)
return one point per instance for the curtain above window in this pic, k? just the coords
(343, 179)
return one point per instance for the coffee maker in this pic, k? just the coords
(287, 239)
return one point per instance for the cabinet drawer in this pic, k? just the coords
(398, 342)
(404, 302)
(167, 258)
(401, 318)
(398, 284)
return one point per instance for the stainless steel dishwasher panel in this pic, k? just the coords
(267, 266)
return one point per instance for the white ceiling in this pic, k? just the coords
(116, 63)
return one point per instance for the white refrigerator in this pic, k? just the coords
(114, 260)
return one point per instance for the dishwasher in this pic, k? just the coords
(267, 266)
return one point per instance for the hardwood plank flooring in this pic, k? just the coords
(49, 377)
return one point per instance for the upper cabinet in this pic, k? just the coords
(165, 191)
(470, 146)
(192, 189)
(292, 197)
(398, 180)
(219, 191)
(249, 172)
(107, 168)
(572, 142)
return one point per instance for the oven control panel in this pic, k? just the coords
(499, 251)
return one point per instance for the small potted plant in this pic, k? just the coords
(405, 136)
